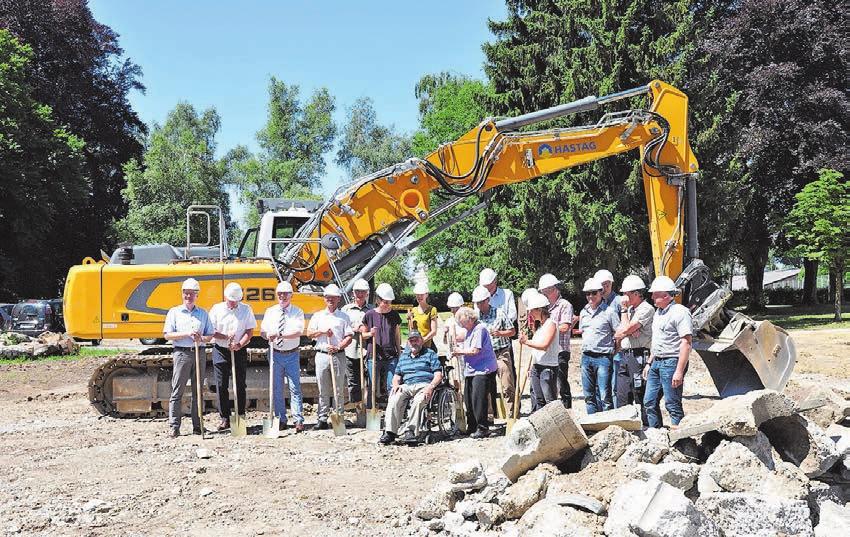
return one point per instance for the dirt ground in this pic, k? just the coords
(57, 455)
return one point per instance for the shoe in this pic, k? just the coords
(387, 438)
(175, 432)
(321, 426)
(198, 431)
(480, 433)
(282, 426)
(410, 438)
(299, 427)
(223, 424)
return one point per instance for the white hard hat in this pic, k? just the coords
(332, 290)
(663, 283)
(191, 284)
(361, 285)
(283, 287)
(487, 277)
(547, 280)
(537, 300)
(421, 288)
(525, 294)
(385, 291)
(455, 300)
(233, 292)
(480, 294)
(604, 275)
(592, 284)
(632, 283)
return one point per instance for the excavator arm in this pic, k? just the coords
(368, 223)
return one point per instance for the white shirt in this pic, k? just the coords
(503, 299)
(643, 337)
(233, 322)
(548, 356)
(294, 317)
(337, 322)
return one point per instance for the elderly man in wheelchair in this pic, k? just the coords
(417, 377)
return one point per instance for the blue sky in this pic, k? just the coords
(222, 54)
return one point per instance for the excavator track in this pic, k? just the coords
(138, 385)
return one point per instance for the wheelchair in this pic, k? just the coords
(438, 421)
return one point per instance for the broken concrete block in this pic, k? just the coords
(820, 493)
(734, 468)
(608, 445)
(465, 472)
(802, 442)
(841, 436)
(680, 475)
(760, 446)
(489, 515)
(580, 501)
(739, 415)
(547, 519)
(440, 500)
(654, 508)
(599, 480)
(519, 497)
(626, 417)
(756, 515)
(834, 521)
(643, 451)
(824, 406)
(549, 435)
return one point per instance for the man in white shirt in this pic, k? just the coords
(234, 323)
(283, 325)
(356, 311)
(331, 329)
(185, 326)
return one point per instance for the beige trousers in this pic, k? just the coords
(397, 404)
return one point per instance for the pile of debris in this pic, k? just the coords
(755, 464)
(16, 345)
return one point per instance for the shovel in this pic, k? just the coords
(337, 421)
(460, 411)
(501, 412)
(373, 415)
(271, 424)
(361, 405)
(237, 424)
(200, 391)
(517, 394)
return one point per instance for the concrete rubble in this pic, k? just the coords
(626, 417)
(17, 345)
(750, 465)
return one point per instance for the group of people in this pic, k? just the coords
(631, 352)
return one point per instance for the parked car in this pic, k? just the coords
(32, 317)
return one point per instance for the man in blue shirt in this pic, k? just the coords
(417, 374)
(597, 323)
(185, 326)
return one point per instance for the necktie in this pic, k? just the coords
(281, 325)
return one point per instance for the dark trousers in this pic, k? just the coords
(221, 365)
(476, 392)
(563, 382)
(630, 383)
(352, 380)
(544, 384)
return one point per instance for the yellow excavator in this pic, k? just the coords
(367, 223)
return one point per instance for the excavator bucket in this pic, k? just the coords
(748, 355)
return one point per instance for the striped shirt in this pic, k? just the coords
(496, 320)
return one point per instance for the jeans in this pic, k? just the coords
(287, 367)
(386, 371)
(614, 380)
(596, 380)
(563, 382)
(222, 368)
(660, 380)
(544, 384)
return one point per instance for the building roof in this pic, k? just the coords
(739, 281)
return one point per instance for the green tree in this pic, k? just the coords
(368, 146)
(42, 183)
(178, 169)
(818, 226)
(79, 70)
(290, 162)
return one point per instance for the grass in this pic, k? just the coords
(804, 317)
(85, 352)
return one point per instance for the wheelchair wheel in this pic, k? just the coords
(444, 412)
